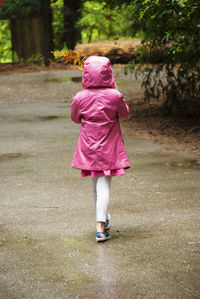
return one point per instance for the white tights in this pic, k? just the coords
(101, 190)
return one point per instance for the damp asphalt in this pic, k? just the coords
(47, 215)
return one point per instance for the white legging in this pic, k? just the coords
(101, 190)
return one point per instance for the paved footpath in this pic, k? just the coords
(47, 216)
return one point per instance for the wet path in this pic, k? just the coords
(48, 247)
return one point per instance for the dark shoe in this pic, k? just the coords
(102, 236)
(107, 224)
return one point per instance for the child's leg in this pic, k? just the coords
(103, 184)
(101, 191)
(103, 197)
(94, 189)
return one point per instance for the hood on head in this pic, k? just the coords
(97, 73)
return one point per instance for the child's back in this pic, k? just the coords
(98, 108)
(100, 150)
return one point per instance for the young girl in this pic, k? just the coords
(100, 149)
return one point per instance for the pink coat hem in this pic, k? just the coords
(94, 174)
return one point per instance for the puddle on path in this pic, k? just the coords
(76, 79)
(64, 79)
(168, 162)
(12, 156)
(34, 118)
(52, 117)
(184, 164)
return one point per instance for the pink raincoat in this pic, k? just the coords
(98, 108)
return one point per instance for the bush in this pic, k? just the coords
(5, 42)
(170, 54)
(58, 23)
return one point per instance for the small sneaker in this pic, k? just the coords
(107, 224)
(102, 236)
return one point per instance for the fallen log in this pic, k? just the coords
(118, 51)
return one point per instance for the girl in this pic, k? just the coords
(100, 150)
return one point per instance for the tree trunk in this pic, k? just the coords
(47, 30)
(71, 15)
(27, 35)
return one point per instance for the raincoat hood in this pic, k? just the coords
(97, 73)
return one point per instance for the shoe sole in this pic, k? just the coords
(102, 239)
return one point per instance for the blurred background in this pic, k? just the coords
(158, 40)
(30, 29)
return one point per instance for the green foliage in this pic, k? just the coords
(19, 8)
(58, 23)
(5, 42)
(99, 21)
(170, 56)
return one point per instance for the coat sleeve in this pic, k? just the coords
(122, 109)
(75, 111)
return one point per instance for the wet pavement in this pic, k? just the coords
(47, 230)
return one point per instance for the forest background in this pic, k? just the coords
(168, 58)
(94, 21)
